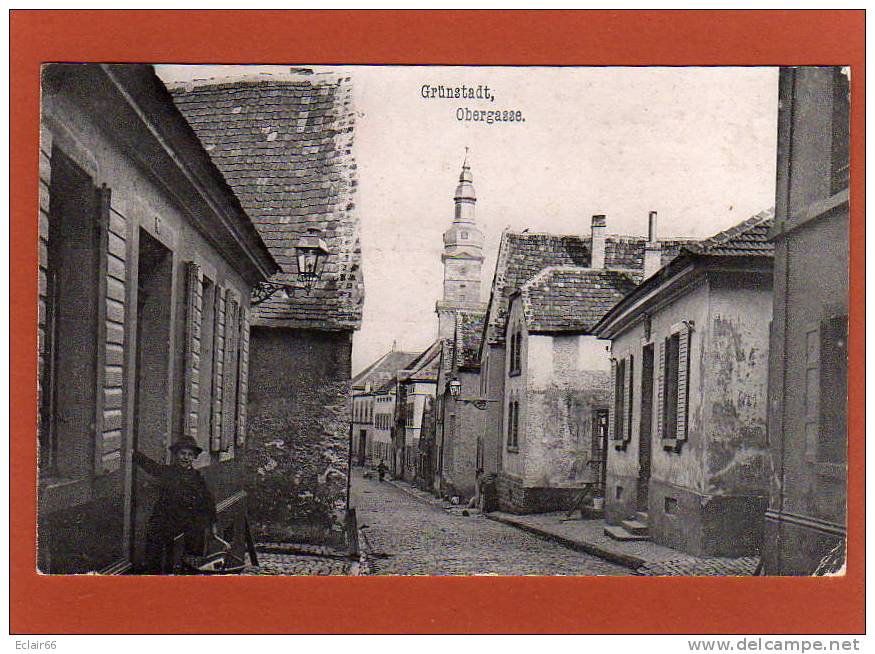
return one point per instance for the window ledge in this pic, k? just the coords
(514, 373)
(513, 449)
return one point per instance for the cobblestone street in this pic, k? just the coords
(412, 536)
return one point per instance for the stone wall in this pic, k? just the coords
(298, 441)
(513, 497)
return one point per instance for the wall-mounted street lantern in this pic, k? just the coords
(455, 387)
(312, 252)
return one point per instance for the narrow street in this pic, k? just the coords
(411, 536)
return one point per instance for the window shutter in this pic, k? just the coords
(660, 389)
(630, 377)
(683, 381)
(112, 296)
(231, 368)
(191, 388)
(612, 402)
(218, 370)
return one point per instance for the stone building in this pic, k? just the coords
(361, 424)
(147, 262)
(284, 145)
(808, 385)
(416, 385)
(454, 456)
(521, 257)
(382, 446)
(364, 386)
(458, 451)
(557, 387)
(688, 456)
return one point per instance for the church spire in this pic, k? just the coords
(462, 257)
(465, 197)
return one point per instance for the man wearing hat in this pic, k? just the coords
(185, 504)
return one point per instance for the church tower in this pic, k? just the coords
(462, 258)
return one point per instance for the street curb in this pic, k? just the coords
(625, 560)
(434, 501)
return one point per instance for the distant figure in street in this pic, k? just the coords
(381, 470)
(185, 505)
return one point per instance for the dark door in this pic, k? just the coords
(644, 434)
(363, 441)
(152, 398)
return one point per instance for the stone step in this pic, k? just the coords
(643, 516)
(635, 527)
(618, 533)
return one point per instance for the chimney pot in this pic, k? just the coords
(651, 227)
(652, 249)
(597, 254)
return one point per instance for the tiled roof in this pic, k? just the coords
(285, 147)
(383, 369)
(747, 238)
(521, 256)
(466, 345)
(571, 298)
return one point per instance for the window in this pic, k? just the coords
(620, 408)
(513, 425)
(516, 339)
(410, 413)
(620, 400)
(463, 236)
(69, 400)
(673, 381)
(670, 382)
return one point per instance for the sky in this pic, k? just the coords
(698, 145)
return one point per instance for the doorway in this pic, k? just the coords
(363, 442)
(646, 428)
(151, 424)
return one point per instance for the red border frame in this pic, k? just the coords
(416, 605)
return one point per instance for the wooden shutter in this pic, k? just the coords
(191, 384)
(218, 370)
(231, 369)
(243, 379)
(612, 401)
(683, 382)
(660, 390)
(630, 378)
(112, 297)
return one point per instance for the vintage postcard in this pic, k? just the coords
(443, 320)
(307, 319)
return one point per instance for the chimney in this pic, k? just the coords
(653, 248)
(599, 227)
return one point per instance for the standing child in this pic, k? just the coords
(185, 505)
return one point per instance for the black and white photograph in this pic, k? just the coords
(443, 320)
